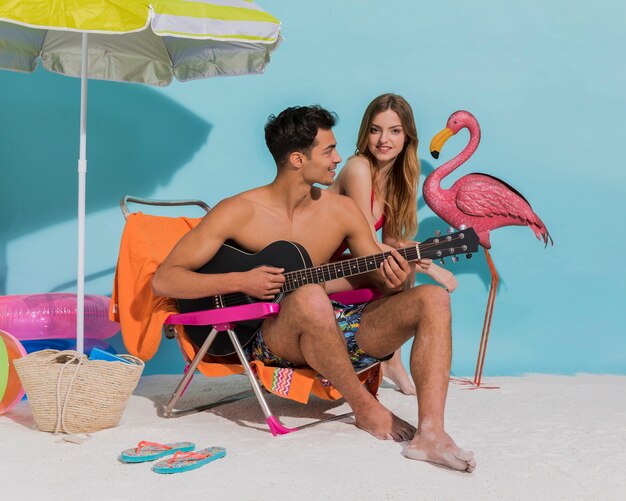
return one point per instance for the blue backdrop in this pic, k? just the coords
(545, 81)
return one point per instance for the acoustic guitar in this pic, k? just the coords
(299, 270)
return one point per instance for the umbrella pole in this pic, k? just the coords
(82, 174)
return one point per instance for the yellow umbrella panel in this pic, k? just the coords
(139, 41)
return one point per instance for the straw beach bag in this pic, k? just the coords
(69, 393)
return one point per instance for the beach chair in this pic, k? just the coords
(146, 241)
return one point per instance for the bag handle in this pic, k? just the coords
(132, 359)
(74, 355)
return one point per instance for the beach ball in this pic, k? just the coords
(4, 367)
(13, 391)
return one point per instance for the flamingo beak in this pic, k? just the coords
(439, 140)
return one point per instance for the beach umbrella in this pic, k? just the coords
(142, 41)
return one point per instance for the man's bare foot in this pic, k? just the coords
(382, 423)
(440, 448)
(398, 375)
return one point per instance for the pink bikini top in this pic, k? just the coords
(377, 226)
(381, 221)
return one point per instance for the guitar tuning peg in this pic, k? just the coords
(455, 259)
(442, 261)
(468, 256)
(437, 233)
(462, 227)
(450, 230)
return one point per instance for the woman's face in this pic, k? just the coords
(386, 137)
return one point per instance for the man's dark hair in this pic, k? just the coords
(294, 129)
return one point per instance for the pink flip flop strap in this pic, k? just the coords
(152, 445)
(186, 456)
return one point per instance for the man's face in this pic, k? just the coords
(320, 168)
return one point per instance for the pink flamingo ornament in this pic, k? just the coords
(480, 201)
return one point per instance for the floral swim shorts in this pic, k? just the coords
(348, 318)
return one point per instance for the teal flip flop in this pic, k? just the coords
(185, 461)
(149, 451)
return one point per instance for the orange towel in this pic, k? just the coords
(298, 384)
(146, 242)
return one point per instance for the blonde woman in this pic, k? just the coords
(382, 179)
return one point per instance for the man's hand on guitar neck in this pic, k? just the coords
(396, 274)
(263, 282)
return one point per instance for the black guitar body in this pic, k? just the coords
(229, 258)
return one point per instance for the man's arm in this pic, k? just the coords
(176, 277)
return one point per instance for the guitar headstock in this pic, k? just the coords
(464, 241)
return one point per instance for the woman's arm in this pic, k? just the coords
(355, 181)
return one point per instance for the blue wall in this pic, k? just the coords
(545, 80)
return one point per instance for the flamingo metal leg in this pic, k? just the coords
(484, 339)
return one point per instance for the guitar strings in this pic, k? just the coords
(325, 272)
(377, 257)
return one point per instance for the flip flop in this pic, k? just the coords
(149, 451)
(185, 461)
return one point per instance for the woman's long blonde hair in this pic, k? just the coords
(401, 195)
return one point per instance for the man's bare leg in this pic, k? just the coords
(425, 311)
(306, 333)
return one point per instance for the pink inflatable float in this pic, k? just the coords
(45, 321)
(53, 316)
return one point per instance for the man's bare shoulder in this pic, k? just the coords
(340, 204)
(231, 209)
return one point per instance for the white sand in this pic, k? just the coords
(536, 438)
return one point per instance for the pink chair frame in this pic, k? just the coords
(224, 320)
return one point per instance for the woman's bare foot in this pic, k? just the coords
(439, 448)
(395, 371)
(382, 423)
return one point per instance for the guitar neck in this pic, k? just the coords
(344, 269)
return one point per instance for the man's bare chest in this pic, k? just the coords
(319, 238)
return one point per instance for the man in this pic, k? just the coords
(305, 332)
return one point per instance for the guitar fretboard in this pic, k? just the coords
(343, 269)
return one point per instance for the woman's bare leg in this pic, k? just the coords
(394, 370)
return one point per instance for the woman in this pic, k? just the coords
(382, 179)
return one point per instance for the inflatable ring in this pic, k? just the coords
(53, 316)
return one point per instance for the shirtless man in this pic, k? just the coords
(305, 332)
